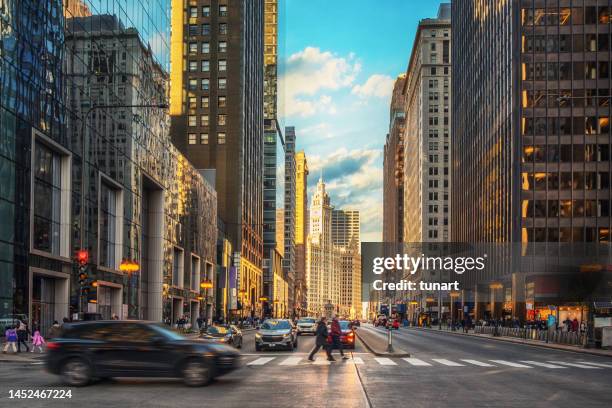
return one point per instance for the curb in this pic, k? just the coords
(549, 346)
(378, 354)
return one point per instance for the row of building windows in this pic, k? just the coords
(562, 71)
(192, 138)
(205, 121)
(566, 180)
(567, 234)
(205, 84)
(433, 183)
(193, 11)
(192, 102)
(561, 98)
(204, 29)
(433, 171)
(433, 222)
(433, 196)
(434, 209)
(566, 153)
(205, 47)
(566, 125)
(205, 65)
(566, 43)
(565, 15)
(566, 208)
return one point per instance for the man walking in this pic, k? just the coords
(321, 340)
(22, 336)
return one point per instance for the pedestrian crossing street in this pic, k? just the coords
(255, 361)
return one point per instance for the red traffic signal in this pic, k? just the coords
(82, 256)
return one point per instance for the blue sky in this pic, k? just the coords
(338, 60)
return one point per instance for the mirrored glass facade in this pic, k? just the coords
(86, 126)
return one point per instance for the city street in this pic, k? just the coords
(443, 370)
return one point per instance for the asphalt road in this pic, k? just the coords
(444, 370)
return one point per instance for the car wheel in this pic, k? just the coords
(76, 372)
(196, 373)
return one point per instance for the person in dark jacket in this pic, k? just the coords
(321, 340)
(22, 336)
(336, 332)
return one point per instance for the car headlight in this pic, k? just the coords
(257, 335)
(286, 335)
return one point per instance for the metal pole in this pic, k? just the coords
(389, 340)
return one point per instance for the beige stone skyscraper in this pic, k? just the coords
(301, 231)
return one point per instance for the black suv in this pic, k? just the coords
(105, 349)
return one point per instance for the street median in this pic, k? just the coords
(376, 343)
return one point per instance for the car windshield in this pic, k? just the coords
(167, 333)
(217, 330)
(306, 321)
(344, 325)
(276, 325)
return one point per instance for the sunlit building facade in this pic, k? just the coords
(531, 138)
(217, 119)
(301, 231)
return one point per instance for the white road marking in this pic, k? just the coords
(291, 361)
(357, 360)
(446, 362)
(385, 361)
(478, 363)
(540, 364)
(575, 365)
(510, 364)
(596, 364)
(261, 361)
(322, 361)
(416, 362)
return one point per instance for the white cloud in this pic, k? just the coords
(377, 85)
(309, 72)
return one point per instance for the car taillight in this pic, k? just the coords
(52, 345)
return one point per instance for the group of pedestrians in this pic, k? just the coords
(327, 339)
(18, 335)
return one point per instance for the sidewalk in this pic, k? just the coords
(535, 343)
(22, 357)
(377, 344)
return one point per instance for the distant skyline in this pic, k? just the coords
(338, 61)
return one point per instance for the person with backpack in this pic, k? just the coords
(11, 339)
(37, 341)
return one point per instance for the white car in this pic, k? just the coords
(307, 325)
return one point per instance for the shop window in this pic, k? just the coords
(178, 267)
(110, 216)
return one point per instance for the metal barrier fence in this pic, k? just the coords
(551, 336)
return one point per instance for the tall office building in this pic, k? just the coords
(322, 262)
(289, 215)
(301, 230)
(393, 167)
(217, 111)
(427, 134)
(346, 241)
(345, 227)
(531, 141)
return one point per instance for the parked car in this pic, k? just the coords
(127, 348)
(307, 325)
(230, 335)
(276, 334)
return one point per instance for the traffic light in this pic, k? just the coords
(82, 257)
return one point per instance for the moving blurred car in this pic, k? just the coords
(356, 323)
(307, 325)
(275, 334)
(222, 334)
(112, 348)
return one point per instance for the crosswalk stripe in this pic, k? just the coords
(322, 361)
(540, 364)
(446, 362)
(357, 360)
(510, 363)
(596, 364)
(478, 363)
(416, 362)
(575, 365)
(261, 361)
(291, 361)
(385, 361)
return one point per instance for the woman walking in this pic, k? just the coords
(11, 339)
